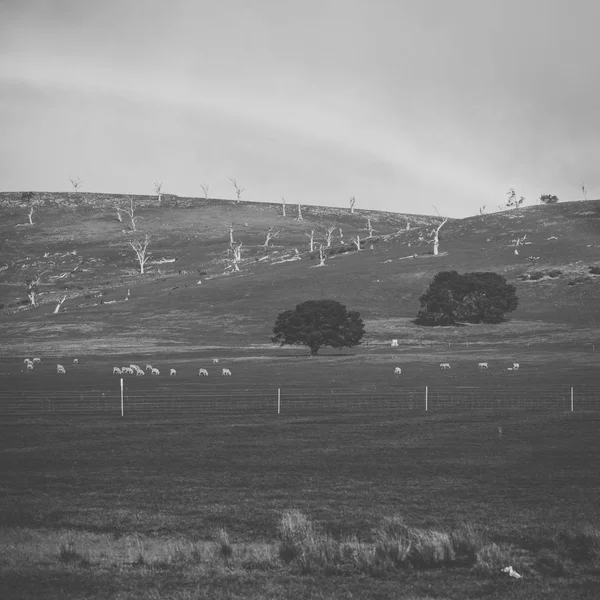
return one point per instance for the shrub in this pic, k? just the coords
(492, 557)
(431, 548)
(467, 541)
(579, 545)
(548, 199)
(67, 552)
(594, 269)
(392, 544)
(550, 563)
(535, 275)
(554, 273)
(225, 547)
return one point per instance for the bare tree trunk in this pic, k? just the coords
(299, 217)
(283, 206)
(60, 303)
(436, 238)
(30, 214)
(352, 203)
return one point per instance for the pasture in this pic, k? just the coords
(193, 455)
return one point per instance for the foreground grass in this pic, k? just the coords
(397, 561)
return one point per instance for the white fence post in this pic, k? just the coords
(571, 399)
(426, 397)
(121, 396)
(278, 400)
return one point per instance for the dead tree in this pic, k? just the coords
(29, 202)
(584, 191)
(231, 242)
(283, 207)
(329, 235)
(407, 225)
(352, 203)
(311, 237)
(299, 217)
(119, 217)
(76, 183)
(130, 212)
(370, 227)
(158, 190)
(519, 242)
(270, 235)
(59, 304)
(238, 189)
(436, 233)
(33, 284)
(321, 256)
(236, 250)
(356, 241)
(341, 234)
(140, 247)
(205, 187)
(482, 210)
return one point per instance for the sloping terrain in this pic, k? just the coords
(83, 251)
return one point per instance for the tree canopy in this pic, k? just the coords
(317, 323)
(479, 297)
(548, 199)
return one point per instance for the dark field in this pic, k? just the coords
(352, 445)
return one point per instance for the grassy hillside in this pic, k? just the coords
(83, 250)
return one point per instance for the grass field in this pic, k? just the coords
(183, 497)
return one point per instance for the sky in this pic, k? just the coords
(410, 106)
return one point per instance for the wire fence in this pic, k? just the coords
(234, 403)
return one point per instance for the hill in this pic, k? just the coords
(191, 298)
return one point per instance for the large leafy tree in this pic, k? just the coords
(317, 323)
(480, 297)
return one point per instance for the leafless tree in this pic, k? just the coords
(205, 187)
(130, 212)
(33, 284)
(329, 235)
(435, 233)
(158, 189)
(30, 201)
(321, 256)
(407, 225)
(76, 183)
(118, 209)
(341, 234)
(519, 242)
(231, 242)
(352, 203)
(270, 235)
(283, 206)
(370, 227)
(482, 210)
(60, 302)
(356, 241)
(236, 250)
(311, 236)
(299, 217)
(140, 247)
(512, 201)
(238, 189)
(584, 191)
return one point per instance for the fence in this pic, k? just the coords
(264, 402)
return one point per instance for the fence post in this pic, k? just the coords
(121, 396)
(426, 397)
(278, 400)
(571, 399)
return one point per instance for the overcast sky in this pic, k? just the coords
(403, 105)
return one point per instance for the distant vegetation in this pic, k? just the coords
(317, 323)
(452, 298)
(548, 199)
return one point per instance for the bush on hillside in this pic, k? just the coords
(548, 199)
(594, 269)
(479, 297)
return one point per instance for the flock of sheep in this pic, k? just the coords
(482, 366)
(137, 370)
(31, 362)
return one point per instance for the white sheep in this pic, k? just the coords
(116, 371)
(397, 371)
(155, 371)
(516, 366)
(226, 372)
(60, 369)
(148, 367)
(216, 361)
(75, 361)
(30, 366)
(445, 366)
(127, 371)
(37, 360)
(172, 372)
(482, 365)
(203, 372)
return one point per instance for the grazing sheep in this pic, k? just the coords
(394, 343)
(482, 366)
(75, 361)
(397, 371)
(172, 372)
(203, 372)
(60, 369)
(27, 360)
(37, 360)
(226, 372)
(155, 371)
(30, 366)
(139, 372)
(148, 367)
(116, 371)
(516, 366)
(216, 361)
(445, 366)
(127, 371)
